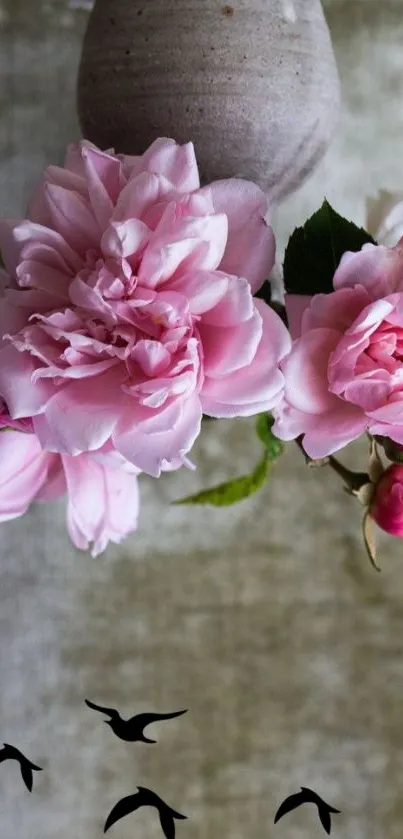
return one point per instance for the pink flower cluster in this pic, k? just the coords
(128, 312)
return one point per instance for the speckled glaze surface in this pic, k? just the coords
(253, 84)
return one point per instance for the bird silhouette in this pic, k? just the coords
(307, 796)
(131, 729)
(27, 768)
(145, 798)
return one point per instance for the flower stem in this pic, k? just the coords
(353, 480)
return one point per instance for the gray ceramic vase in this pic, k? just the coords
(253, 84)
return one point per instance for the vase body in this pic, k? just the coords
(253, 84)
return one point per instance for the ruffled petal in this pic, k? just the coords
(202, 289)
(123, 239)
(259, 385)
(72, 218)
(337, 310)
(250, 250)
(333, 431)
(153, 443)
(305, 371)
(24, 471)
(23, 398)
(181, 244)
(377, 268)
(230, 348)
(177, 163)
(79, 417)
(144, 192)
(103, 503)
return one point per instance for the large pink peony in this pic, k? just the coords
(129, 309)
(103, 501)
(344, 373)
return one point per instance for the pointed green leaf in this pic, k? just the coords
(237, 489)
(314, 251)
(231, 492)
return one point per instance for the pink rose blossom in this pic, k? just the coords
(128, 309)
(387, 504)
(102, 502)
(344, 373)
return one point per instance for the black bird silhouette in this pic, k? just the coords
(145, 798)
(304, 797)
(132, 729)
(27, 768)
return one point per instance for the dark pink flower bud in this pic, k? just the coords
(387, 503)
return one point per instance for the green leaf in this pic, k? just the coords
(237, 489)
(231, 492)
(314, 251)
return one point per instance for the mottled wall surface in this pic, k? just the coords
(265, 620)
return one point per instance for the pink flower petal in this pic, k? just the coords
(72, 218)
(141, 193)
(333, 431)
(124, 239)
(337, 310)
(235, 306)
(323, 433)
(202, 289)
(180, 244)
(305, 371)
(378, 269)
(46, 245)
(152, 357)
(151, 446)
(12, 319)
(103, 503)
(177, 164)
(80, 418)
(104, 182)
(24, 470)
(82, 295)
(55, 485)
(250, 250)
(32, 274)
(230, 348)
(23, 398)
(259, 385)
(38, 207)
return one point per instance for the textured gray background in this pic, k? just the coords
(264, 620)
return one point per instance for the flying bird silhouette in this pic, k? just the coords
(145, 798)
(131, 729)
(307, 796)
(27, 768)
